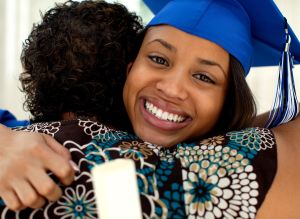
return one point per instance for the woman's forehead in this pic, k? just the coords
(177, 40)
(175, 35)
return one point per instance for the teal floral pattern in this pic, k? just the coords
(174, 197)
(253, 138)
(77, 203)
(217, 177)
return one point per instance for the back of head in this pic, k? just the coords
(75, 61)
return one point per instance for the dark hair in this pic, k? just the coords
(75, 61)
(239, 108)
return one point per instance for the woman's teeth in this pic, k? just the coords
(162, 114)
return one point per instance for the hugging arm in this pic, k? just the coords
(284, 196)
(25, 159)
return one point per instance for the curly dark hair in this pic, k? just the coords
(76, 59)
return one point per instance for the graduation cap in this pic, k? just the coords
(253, 31)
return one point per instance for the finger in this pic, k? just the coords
(28, 195)
(57, 147)
(58, 165)
(44, 185)
(11, 200)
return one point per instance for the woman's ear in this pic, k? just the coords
(129, 66)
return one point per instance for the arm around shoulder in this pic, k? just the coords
(25, 159)
(289, 134)
(283, 199)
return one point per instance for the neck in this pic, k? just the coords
(68, 116)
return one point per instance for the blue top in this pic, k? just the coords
(9, 120)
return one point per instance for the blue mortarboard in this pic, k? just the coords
(253, 31)
(250, 30)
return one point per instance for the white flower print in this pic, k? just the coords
(220, 183)
(253, 138)
(49, 128)
(77, 204)
(93, 128)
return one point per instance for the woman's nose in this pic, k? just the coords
(173, 85)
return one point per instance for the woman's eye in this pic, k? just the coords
(204, 77)
(159, 60)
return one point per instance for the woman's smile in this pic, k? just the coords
(159, 116)
(163, 115)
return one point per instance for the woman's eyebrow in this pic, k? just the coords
(164, 44)
(211, 63)
(172, 48)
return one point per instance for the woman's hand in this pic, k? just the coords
(25, 159)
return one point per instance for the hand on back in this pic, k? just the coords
(25, 159)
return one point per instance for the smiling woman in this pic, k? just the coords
(176, 92)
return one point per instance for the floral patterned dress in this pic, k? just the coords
(227, 176)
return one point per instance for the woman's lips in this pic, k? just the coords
(163, 115)
(161, 118)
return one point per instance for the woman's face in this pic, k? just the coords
(176, 87)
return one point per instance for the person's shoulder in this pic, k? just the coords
(248, 141)
(288, 136)
(284, 197)
(80, 130)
